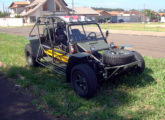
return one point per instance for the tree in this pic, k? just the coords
(134, 10)
(4, 14)
(151, 14)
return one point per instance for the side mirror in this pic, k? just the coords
(107, 34)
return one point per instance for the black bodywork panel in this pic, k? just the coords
(75, 59)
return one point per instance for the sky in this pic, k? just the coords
(125, 4)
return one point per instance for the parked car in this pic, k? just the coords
(121, 21)
(155, 20)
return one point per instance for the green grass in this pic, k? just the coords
(155, 27)
(129, 97)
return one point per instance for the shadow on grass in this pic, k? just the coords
(133, 81)
(55, 95)
(14, 104)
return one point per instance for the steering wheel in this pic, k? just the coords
(92, 35)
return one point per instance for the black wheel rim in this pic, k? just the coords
(80, 83)
(117, 52)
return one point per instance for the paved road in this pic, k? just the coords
(147, 45)
(23, 31)
(15, 105)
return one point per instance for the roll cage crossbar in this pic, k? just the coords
(51, 20)
(39, 22)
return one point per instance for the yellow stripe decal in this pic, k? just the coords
(57, 55)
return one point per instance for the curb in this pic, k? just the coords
(139, 33)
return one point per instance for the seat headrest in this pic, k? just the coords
(61, 25)
(76, 32)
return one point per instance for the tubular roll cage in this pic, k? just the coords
(68, 24)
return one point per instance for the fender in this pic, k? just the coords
(34, 43)
(75, 59)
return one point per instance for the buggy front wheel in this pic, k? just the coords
(84, 80)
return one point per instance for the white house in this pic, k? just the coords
(31, 9)
(39, 8)
(18, 7)
(36, 8)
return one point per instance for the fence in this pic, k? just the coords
(163, 19)
(5, 22)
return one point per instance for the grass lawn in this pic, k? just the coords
(155, 27)
(129, 97)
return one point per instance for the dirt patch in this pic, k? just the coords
(2, 65)
(15, 104)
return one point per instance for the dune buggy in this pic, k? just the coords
(76, 47)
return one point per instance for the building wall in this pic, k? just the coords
(125, 18)
(17, 10)
(162, 19)
(60, 7)
(39, 13)
(20, 9)
(116, 19)
(51, 5)
(136, 19)
(11, 22)
(35, 15)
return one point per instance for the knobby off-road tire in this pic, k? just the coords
(84, 80)
(118, 57)
(30, 59)
(139, 69)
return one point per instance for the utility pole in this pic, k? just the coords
(55, 6)
(144, 13)
(3, 7)
(73, 7)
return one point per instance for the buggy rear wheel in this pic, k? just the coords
(30, 59)
(84, 80)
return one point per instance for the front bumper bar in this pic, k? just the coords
(117, 68)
